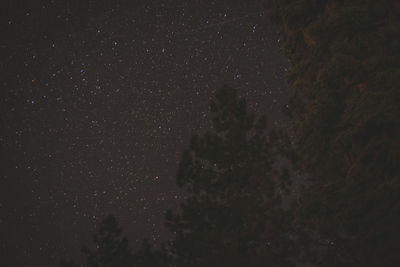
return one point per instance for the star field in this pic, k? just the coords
(98, 102)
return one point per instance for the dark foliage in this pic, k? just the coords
(345, 75)
(233, 215)
(111, 249)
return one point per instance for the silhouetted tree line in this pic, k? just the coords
(236, 210)
(244, 207)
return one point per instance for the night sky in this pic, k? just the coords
(99, 100)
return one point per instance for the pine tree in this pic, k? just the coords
(111, 249)
(233, 214)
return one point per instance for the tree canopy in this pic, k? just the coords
(345, 75)
(233, 214)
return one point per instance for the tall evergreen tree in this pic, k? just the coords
(233, 214)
